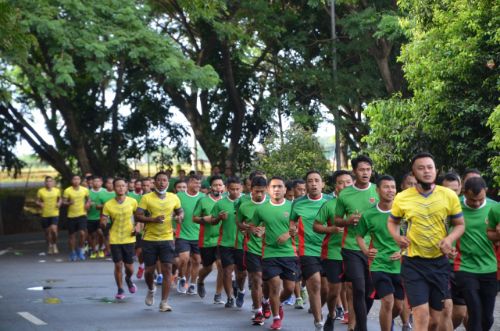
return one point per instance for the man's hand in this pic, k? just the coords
(445, 246)
(292, 231)
(333, 229)
(283, 238)
(498, 228)
(354, 218)
(371, 253)
(453, 253)
(395, 256)
(159, 219)
(402, 241)
(223, 215)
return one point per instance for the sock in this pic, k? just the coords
(265, 300)
(241, 291)
(141, 265)
(276, 318)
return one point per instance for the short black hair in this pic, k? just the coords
(117, 179)
(475, 185)
(406, 175)
(310, 172)
(258, 181)
(362, 158)
(179, 181)
(194, 176)
(421, 155)
(75, 175)
(471, 171)
(160, 173)
(96, 177)
(256, 173)
(276, 178)
(451, 177)
(138, 180)
(233, 180)
(47, 178)
(289, 185)
(296, 182)
(339, 173)
(214, 178)
(380, 179)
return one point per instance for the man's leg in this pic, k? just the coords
(219, 282)
(118, 275)
(385, 314)
(274, 295)
(227, 280)
(446, 323)
(195, 267)
(421, 317)
(166, 270)
(313, 284)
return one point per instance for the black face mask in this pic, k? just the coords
(425, 186)
(215, 193)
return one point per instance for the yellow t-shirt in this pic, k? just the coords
(79, 197)
(156, 207)
(49, 199)
(122, 220)
(427, 218)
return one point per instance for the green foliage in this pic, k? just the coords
(494, 123)
(299, 153)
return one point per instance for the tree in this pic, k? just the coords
(450, 68)
(299, 153)
(87, 60)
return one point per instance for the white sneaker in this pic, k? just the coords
(318, 326)
(164, 306)
(150, 297)
(50, 250)
(54, 249)
(181, 285)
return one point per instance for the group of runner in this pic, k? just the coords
(431, 246)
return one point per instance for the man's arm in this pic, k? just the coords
(179, 215)
(393, 227)
(142, 218)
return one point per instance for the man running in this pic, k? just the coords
(158, 240)
(351, 204)
(330, 250)
(93, 216)
(253, 249)
(304, 211)
(384, 253)
(120, 213)
(209, 234)
(223, 212)
(279, 262)
(425, 268)
(186, 243)
(48, 198)
(76, 197)
(476, 263)
(137, 192)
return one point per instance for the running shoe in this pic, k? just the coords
(181, 285)
(258, 318)
(150, 297)
(299, 303)
(191, 290)
(276, 324)
(73, 256)
(81, 254)
(55, 250)
(329, 323)
(120, 295)
(318, 326)
(339, 313)
(93, 255)
(201, 290)
(303, 293)
(101, 254)
(218, 299)
(229, 303)
(345, 320)
(131, 286)
(290, 301)
(240, 299)
(164, 306)
(140, 272)
(266, 308)
(50, 250)
(406, 328)
(159, 279)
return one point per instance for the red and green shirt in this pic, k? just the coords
(244, 214)
(188, 230)
(228, 231)
(332, 242)
(209, 233)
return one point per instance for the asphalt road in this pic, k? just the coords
(81, 297)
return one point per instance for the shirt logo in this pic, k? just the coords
(286, 214)
(372, 200)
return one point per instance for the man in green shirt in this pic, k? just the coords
(279, 262)
(95, 235)
(384, 253)
(209, 234)
(304, 211)
(137, 192)
(353, 201)
(331, 258)
(223, 213)
(476, 263)
(253, 249)
(186, 243)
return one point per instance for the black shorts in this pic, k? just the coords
(253, 262)
(486, 283)
(239, 259)
(334, 270)
(209, 255)
(454, 291)
(386, 283)
(93, 226)
(153, 251)
(76, 224)
(284, 267)
(48, 221)
(309, 265)
(426, 280)
(122, 252)
(183, 245)
(355, 265)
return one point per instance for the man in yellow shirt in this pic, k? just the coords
(428, 208)
(76, 197)
(120, 212)
(158, 239)
(48, 198)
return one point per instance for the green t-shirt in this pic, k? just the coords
(189, 230)
(332, 243)
(476, 253)
(304, 211)
(228, 233)
(350, 200)
(373, 223)
(245, 212)
(94, 214)
(106, 195)
(276, 219)
(209, 233)
(135, 196)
